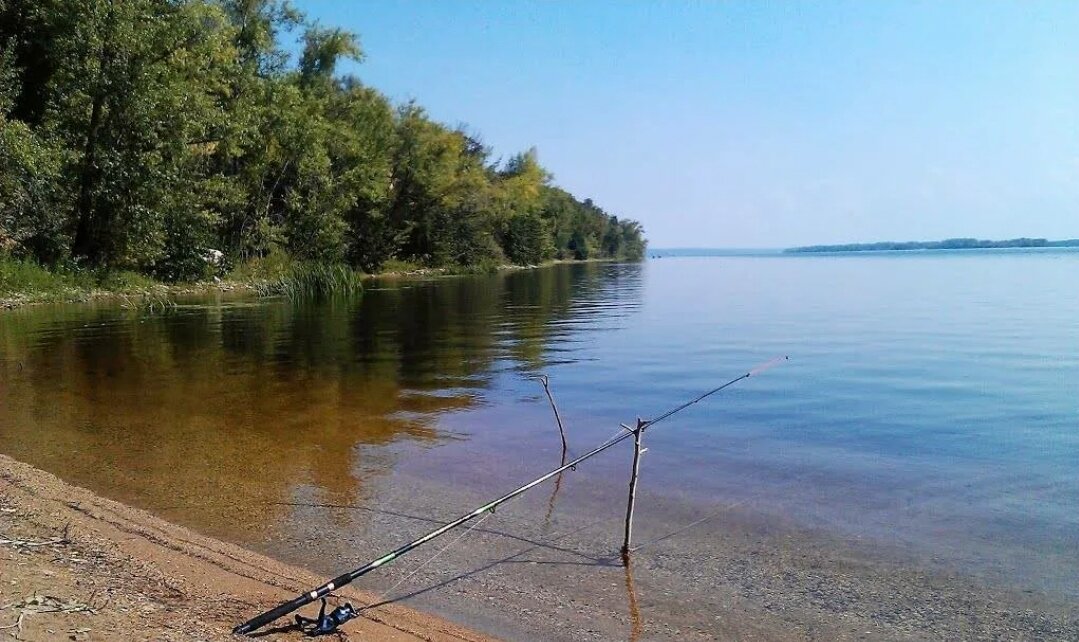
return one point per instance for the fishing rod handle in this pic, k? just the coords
(263, 619)
(300, 601)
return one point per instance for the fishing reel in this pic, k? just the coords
(326, 624)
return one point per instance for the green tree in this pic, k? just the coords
(140, 134)
(528, 241)
(30, 182)
(323, 49)
(134, 90)
(439, 185)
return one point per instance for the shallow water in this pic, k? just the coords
(930, 402)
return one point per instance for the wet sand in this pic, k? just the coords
(545, 567)
(725, 573)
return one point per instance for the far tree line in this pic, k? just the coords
(144, 134)
(946, 244)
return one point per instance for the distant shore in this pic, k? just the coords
(947, 244)
(883, 246)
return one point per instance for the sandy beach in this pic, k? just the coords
(75, 566)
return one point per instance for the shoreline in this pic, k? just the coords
(163, 294)
(132, 575)
(724, 571)
(76, 566)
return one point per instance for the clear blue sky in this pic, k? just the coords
(759, 124)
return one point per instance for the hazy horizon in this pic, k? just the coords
(653, 247)
(744, 125)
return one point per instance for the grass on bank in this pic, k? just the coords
(312, 280)
(23, 280)
(279, 274)
(276, 274)
(397, 267)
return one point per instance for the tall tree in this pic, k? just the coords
(136, 86)
(144, 133)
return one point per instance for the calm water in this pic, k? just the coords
(930, 402)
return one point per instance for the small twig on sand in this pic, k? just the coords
(17, 624)
(25, 543)
(49, 604)
(43, 604)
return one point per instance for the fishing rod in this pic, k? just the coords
(327, 623)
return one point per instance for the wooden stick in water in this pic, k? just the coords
(637, 433)
(348, 577)
(562, 431)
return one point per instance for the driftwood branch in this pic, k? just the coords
(36, 604)
(16, 624)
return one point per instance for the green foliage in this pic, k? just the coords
(439, 188)
(148, 135)
(277, 273)
(125, 281)
(397, 266)
(322, 50)
(528, 241)
(30, 192)
(305, 279)
(270, 267)
(25, 279)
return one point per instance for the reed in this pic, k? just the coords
(313, 280)
(153, 301)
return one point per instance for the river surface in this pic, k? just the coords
(930, 403)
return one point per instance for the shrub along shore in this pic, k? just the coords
(24, 282)
(179, 141)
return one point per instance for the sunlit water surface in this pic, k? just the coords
(930, 401)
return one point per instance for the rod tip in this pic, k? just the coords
(766, 365)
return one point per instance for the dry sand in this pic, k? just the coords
(75, 566)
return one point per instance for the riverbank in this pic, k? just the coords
(76, 566)
(24, 283)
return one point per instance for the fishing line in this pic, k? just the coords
(433, 557)
(771, 363)
(692, 524)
